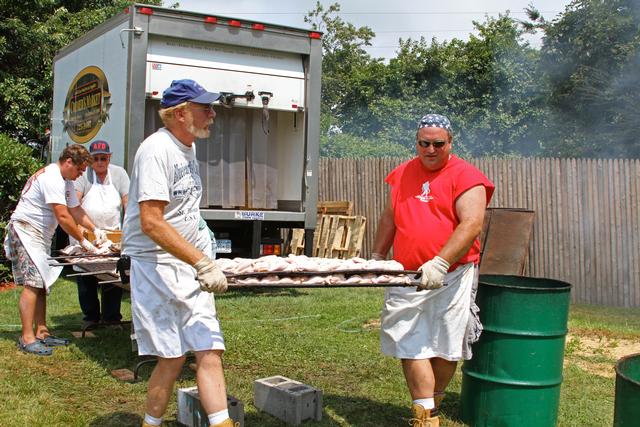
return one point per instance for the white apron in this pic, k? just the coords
(426, 324)
(38, 249)
(171, 315)
(102, 203)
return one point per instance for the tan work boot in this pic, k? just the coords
(422, 417)
(226, 423)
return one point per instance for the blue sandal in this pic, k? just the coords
(51, 341)
(35, 347)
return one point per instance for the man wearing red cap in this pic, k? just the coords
(102, 192)
(172, 274)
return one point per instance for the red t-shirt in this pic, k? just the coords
(424, 209)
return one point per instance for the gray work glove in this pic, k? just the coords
(101, 236)
(87, 246)
(433, 272)
(210, 276)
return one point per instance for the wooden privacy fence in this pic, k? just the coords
(587, 215)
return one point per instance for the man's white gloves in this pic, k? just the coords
(87, 246)
(433, 273)
(101, 236)
(210, 276)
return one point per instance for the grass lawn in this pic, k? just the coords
(327, 338)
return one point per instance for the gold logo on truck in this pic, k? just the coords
(87, 104)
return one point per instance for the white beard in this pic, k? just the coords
(202, 133)
(198, 133)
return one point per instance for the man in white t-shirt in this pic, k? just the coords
(170, 263)
(48, 199)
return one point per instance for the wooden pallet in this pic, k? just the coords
(336, 236)
(335, 207)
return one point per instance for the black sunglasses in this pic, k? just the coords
(436, 144)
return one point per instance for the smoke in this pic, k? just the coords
(576, 96)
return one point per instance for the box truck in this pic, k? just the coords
(259, 167)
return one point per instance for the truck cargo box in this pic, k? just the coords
(260, 165)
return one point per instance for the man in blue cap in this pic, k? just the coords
(172, 274)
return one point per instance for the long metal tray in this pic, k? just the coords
(320, 273)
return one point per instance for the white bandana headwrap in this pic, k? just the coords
(435, 121)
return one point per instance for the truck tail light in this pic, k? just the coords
(235, 23)
(145, 11)
(314, 35)
(211, 20)
(270, 249)
(257, 27)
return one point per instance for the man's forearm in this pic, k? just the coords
(171, 241)
(385, 233)
(70, 227)
(81, 218)
(384, 238)
(460, 242)
(470, 208)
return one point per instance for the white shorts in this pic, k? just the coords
(427, 324)
(171, 315)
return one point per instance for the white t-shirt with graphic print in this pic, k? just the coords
(44, 188)
(164, 169)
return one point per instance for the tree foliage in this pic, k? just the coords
(576, 96)
(591, 62)
(486, 85)
(31, 32)
(16, 166)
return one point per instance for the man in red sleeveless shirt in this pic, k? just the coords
(433, 219)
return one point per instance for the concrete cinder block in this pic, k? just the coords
(191, 414)
(291, 401)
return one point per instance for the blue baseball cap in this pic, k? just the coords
(186, 90)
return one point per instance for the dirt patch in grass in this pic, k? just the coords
(371, 324)
(6, 286)
(598, 354)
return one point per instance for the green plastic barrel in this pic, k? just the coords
(627, 406)
(514, 377)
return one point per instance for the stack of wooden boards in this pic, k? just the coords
(338, 234)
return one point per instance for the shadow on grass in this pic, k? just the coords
(338, 410)
(272, 292)
(451, 406)
(341, 410)
(110, 348)
(116, 419)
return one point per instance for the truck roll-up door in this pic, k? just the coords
(225, 68)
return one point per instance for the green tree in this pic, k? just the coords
(590, 61)
(350, 77)
(31, 32)
(486, 86)
(16, 166)
(350, 146)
